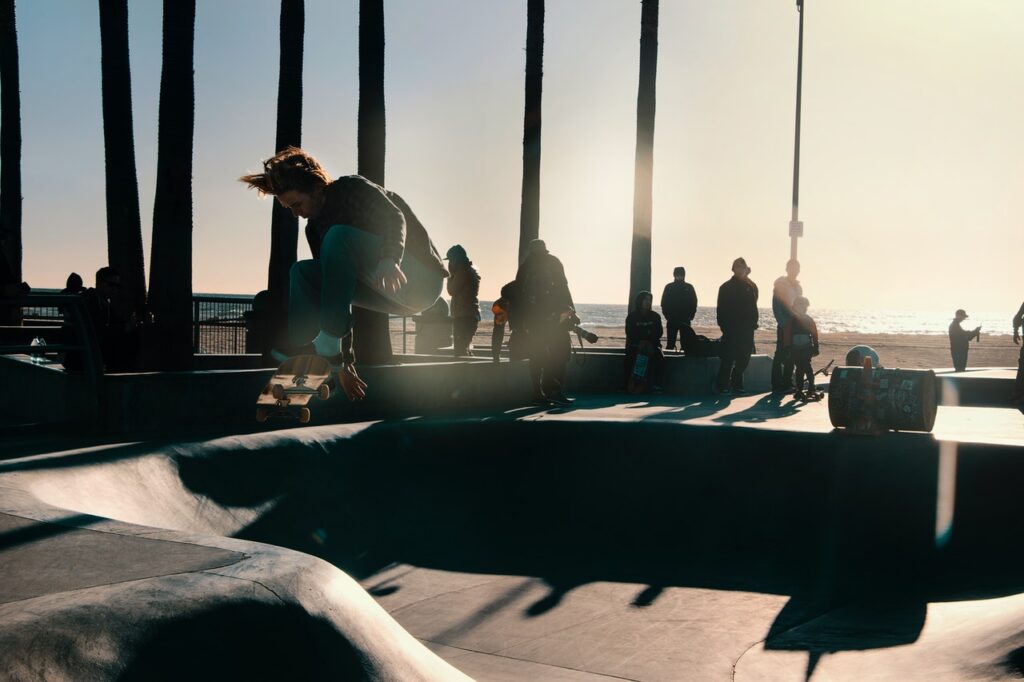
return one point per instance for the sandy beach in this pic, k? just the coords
(920, 351)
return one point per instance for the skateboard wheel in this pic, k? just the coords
(261, 414)
(277, 391)
(324, 392)
(304, 415)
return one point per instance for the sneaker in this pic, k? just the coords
(799, 395)
(541, 400)
(561, 399)
(738, 390)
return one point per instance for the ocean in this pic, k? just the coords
(829, 321)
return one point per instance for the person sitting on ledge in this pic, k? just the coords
(643, 335)
(369, 250)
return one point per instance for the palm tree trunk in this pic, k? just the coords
(10, 152)
(640, 261)
(284, 227)
(529, 216)
(372, 340)
(124, 228)
(170, 277)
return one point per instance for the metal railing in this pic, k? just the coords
(218, 321)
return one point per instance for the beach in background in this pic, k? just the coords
(902, 339)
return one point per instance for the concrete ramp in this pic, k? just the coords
(666, 539)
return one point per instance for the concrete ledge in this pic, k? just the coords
(602, 372)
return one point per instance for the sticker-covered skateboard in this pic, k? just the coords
(295, 382)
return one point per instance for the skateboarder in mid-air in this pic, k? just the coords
(368, 247)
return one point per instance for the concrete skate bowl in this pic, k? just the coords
(824, 519)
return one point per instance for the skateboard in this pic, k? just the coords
(638, 381)
(294, 383)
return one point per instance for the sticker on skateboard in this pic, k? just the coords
(293, 385)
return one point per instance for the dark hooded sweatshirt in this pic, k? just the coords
(643, 326)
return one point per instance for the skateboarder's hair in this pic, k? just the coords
(289, 169)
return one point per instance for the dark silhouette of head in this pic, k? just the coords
(457, 255)
(740, 268)
(108, 282)
(679, 273)
(74, 282)
(644, 301)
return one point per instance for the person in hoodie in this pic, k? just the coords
(643, 335)
(737, 318)
(464, 288)
(679, 304)
(369, 249)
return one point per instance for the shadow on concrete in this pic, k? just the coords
(34, 531)
(826, 519)
(771, 406)
(245, 641)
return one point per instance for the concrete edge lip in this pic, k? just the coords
(66, 607)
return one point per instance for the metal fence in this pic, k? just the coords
(218, 323)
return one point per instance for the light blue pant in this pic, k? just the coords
(322, 291)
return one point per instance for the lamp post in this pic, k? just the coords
(796, 227)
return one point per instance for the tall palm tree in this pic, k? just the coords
(170, 275)
(640, 260)
(529, 215)
(124, 228)
(284, 227)
(10, 150)
(372, 341)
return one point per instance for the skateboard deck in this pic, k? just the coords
(638, 380)
(293, 385)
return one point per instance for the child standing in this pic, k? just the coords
(800, 339)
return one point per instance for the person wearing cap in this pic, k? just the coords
(464, 288)
(369, 249)
(959, 340)
(679, 305)
(737, 318)
(1018, 385)
(784, 292)
(545, 311)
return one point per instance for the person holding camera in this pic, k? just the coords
(960, 339)
(545, 313)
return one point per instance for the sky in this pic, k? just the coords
(912, 148)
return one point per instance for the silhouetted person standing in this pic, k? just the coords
(959, 340)
(464, 288)
(678, 304)
(800, 339)
(737, 317)
(1018, 387)
(544, 310)
(785, 291)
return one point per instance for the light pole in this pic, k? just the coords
(796, 228)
